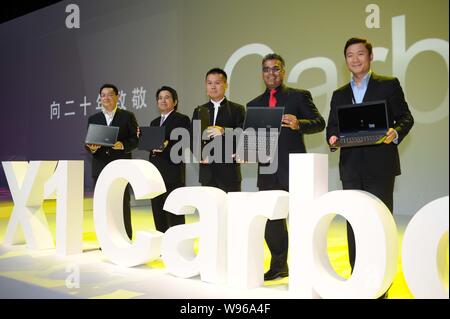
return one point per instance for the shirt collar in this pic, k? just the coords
(278, 89)
(364, 81)
(167, 114)
(110, 114)
(219, 103)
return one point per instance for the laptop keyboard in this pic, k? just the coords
(251, 142)
(360, 140)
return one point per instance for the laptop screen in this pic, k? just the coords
(369, 117)
(263, 117)
(101, 135)
(152, 137)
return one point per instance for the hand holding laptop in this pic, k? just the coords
(159, 150)
(93, 147)
(391, 134)
(332, 141)
(118, 146)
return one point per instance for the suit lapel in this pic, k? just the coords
(282, 96)
(371, 91)
(101, 119)
(348, 94)
(210, 107)
(168, 121)
(223, 115)
(115, 121)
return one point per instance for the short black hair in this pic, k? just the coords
(352, 41)
(273, 56)
(172, 91)
(109, 86)
(217, 71)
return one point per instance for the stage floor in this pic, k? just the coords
(28, 273)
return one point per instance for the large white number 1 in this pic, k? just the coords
(67, 182)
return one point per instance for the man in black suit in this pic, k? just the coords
(222, 171)
(127, 141)
(171, 169)
(300, 117)
(370, 168)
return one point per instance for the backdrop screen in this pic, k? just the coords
(54, 61)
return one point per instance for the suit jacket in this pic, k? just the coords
(126, 121)
(299, 103)
(374, 161)
(230, 116)
(172, 173)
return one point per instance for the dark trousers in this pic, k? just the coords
(126, 209)
(277, 238)
(383, 188)
(163, 219)
(234, 187)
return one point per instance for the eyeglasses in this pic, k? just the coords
(275, 69)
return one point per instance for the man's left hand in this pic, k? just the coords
(118, 146)
(390, 136)
(214, 131)
(290, 121)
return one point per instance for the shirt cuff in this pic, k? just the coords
(395, 140)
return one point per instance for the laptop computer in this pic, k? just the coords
(101, 135)
(152, 138)
(262, 126)
(362, 124)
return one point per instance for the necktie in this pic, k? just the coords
(162, 120)
(272, 98)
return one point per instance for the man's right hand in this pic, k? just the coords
(332, 140)
(93, 147)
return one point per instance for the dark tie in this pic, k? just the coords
(272, 98)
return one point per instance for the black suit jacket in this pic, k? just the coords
(374, 161)
(172, 173)
(299, 103)
(126, 121)
(230, 116)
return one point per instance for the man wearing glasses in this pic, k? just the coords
(300, 117)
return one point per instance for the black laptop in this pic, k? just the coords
(101, 135)
(152, 138)
(362, 124)
(262, 126)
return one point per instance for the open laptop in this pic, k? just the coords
(262, 126)
(362, 124)
(152, 138)
(101, 135)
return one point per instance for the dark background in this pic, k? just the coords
(14, 9)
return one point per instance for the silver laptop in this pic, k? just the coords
(259, 139)
(362, 124)
(101, 135)
(152, 138)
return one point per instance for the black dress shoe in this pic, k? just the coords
(274, 274)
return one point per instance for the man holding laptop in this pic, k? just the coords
(172, 172)
(127, 140)
(371, 168)
(300, 117)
